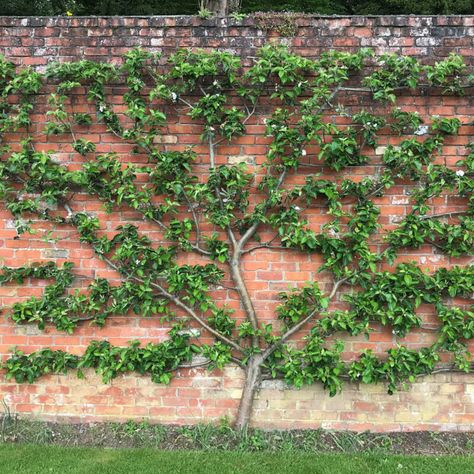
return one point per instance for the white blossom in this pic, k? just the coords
(174, 96)
(421, 130)
(459, 173)
(303, 152)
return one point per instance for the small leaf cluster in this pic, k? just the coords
(401, 366)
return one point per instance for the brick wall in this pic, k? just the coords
(440, 402)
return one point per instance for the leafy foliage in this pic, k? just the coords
(157, 360)
(219, 214)
(187, 7)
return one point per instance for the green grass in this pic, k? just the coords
(27, 459)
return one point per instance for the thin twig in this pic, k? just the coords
(266, 246)
(186, 102)
(443, 214)
(196, 364)
(195, 218)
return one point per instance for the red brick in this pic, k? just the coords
(266, 272)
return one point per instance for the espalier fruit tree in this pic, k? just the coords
(221, 212)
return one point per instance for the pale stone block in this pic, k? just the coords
(236, 159)
(165, 139)
(406, 416)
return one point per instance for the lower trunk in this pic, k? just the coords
(252, 381)
(220, 7)
(217, 7)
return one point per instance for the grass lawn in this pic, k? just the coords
(26, 459)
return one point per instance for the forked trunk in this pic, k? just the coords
(252, 382)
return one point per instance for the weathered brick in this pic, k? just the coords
(444, 401)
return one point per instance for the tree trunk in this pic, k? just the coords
(244, 294)
(252, 381)
(221, 7)
(234, 5)
(217, 7)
